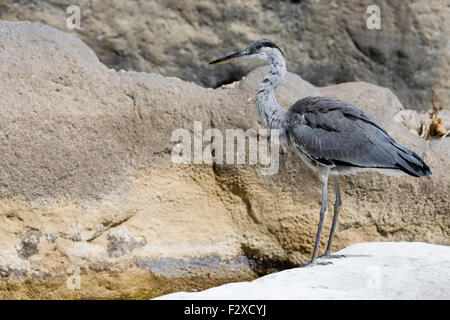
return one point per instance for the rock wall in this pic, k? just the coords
(87, 187)
(325, 42)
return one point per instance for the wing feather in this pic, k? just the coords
(335, 132)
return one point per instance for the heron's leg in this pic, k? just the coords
(324, 173)
(337, 207)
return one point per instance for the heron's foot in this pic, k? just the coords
(315, 262)
(331, 256)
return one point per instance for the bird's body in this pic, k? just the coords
(331, 136)
(330, 132)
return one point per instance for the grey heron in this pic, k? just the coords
(331, 136)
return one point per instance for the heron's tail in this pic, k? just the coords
(410, 163)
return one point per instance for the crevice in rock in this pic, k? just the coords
(262, 264)
(371, 53)
(136, 106)
(106, 225)
(230, 76)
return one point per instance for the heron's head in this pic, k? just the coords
(260, 49)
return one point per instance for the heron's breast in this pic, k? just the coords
(307, 159)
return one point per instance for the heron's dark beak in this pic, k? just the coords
(229, 58)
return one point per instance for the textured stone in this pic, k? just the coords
(85, 153)
(325, 42)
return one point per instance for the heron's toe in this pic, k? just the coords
(314, 263)
(331, 256)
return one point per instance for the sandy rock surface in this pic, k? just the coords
(87, 184)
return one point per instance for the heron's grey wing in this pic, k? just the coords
(337, 133)
(321, 110)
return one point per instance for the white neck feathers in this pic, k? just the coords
(271, 113)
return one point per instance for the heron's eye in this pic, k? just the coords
(252, 50)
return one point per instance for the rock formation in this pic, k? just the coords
(325, 42)
(88, 190)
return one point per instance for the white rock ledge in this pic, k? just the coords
(377, 270)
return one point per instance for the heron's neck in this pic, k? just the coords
(272, 114)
